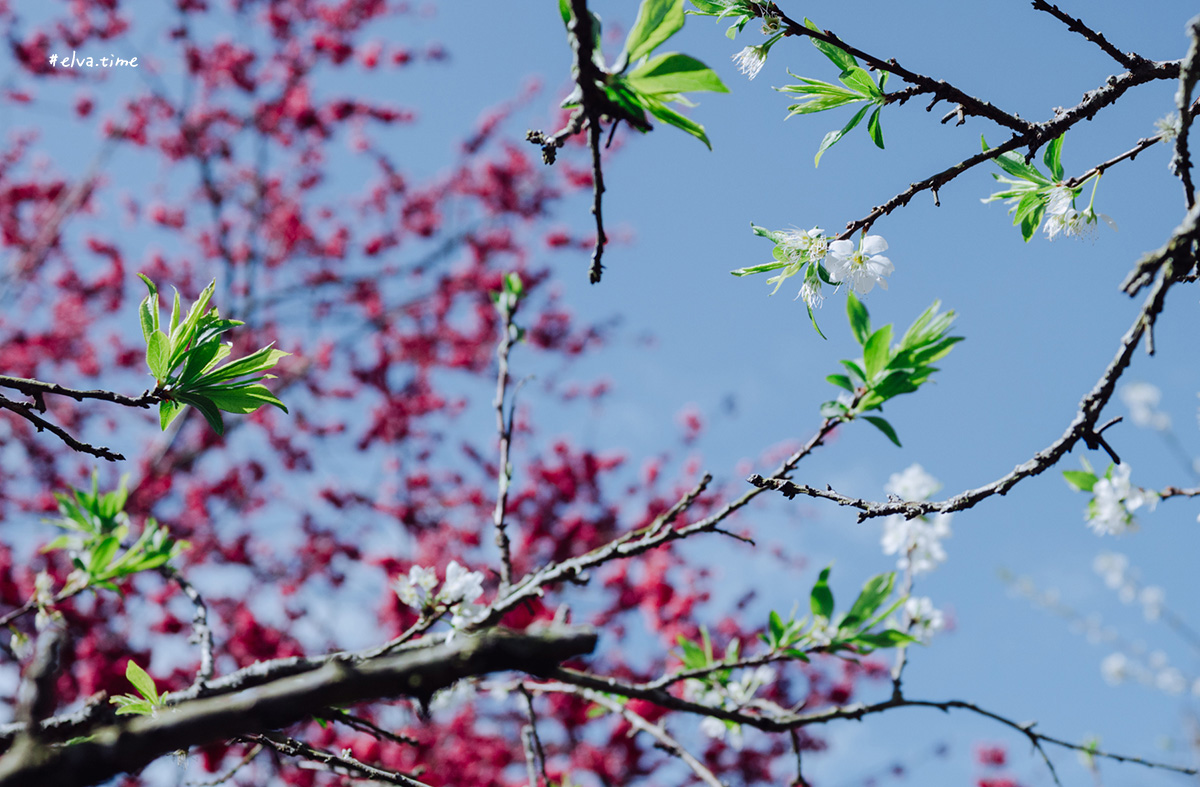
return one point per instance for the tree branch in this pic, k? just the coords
(131, 744)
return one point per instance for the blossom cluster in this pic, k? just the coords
(918, 543)
(1114, 499)
(1062, 217)
(458, 593)
(862, 266)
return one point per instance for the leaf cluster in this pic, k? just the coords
(653, 82)
(147, 699)
(184, 362)
(1029, 189)
(857, 87)
(97, 525)
(885, 370)
(854, 631)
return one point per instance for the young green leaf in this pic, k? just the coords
(1080, 480)
(874, 129)
(821, 598)
(674, 73)
(668, 115)
(657, 20)
(141, 681)
(860, 320)
(877, 351)
(833, 136)
(884, 427)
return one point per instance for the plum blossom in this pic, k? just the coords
(918, 542)
(1115, 668)
(921, 619)
(912, 484)
(461, 585)
(810, 292)
(801, 247)
(863, 267)
(751, 60)
(1168, 126)
(1062, 217)
(414, 589)
(1142, 400)
(1152, 599)
(1113, 500)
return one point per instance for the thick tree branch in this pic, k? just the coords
(129, 745)
(1189, 73)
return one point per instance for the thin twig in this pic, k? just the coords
(1128, 61)
(508, 304)
(535, 754)
(783, 721)
(26, 411)
(337, 763)
(201, 632)
(662, 738)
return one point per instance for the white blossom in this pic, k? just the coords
(921, 619)
(1115, 668)
(461, 585)
(751, 60)
(1168, 126)
(805, 244)
(415, 588)
(912, 484)
(821, 632)
(918, 542)
(1142, 400)
(716, 728)
(863, 266)
(1113, 501)
(810, 292)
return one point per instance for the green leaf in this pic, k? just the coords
(102, 554)
(874, 591)
(1080, 480)
(243, 400)
(657, 20)
(860, 320)
(564, 8)
(674, 73)
(1053, 157)
(253, 363)
(874, 129)
(833, 136)
(841, 381)
(813, 319)
(207, 409)
(821, 598)
(668, 115)
(629, 102)
(856, 372)
(693, 657)
(1014, 164)
(886, 639)
(859, 81)
(884, 427)
(775, 626)
(840, 57)
(877, 351)
(833, 409)
(168, 410)
(132, 706)
(157, 355)
(766, 266)
(141, 681)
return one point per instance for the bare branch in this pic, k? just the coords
(1128, 61)
(342, 763)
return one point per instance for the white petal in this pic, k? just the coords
(841, 248)
(874, 244)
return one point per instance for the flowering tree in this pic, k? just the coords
(360, 583)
